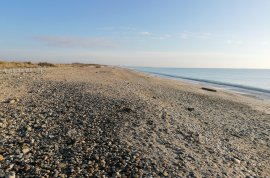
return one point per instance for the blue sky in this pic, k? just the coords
(174, 33)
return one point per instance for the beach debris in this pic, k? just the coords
(126, 110)
(190, 109)
(11, 100)
(209, 89)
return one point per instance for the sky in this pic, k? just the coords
(156, 33)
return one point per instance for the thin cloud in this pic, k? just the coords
(155, 36)
(189, 35)
(234, 42)
(160, 37)
(165, 36)
(64, 42)
(145, 34)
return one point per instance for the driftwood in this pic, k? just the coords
(209, 89)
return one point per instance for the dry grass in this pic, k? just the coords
(9, 65)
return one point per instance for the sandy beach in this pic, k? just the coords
(113, 122)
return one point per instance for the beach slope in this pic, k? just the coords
(113, 122)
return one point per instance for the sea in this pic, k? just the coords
(252, 82)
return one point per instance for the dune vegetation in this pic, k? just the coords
(5, 64)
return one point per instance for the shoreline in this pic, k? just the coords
(112, 122)
(259, 93)
(253, 101)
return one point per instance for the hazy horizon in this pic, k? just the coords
(197, 34)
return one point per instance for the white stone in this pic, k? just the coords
(25, 150)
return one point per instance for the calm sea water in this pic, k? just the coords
(254, 82)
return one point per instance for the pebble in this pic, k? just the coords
(29, 129)
(25, 150)
(62, 175)
(12, 101)
(1, 158)
(32, 141)
(2, 125)
(10, 175)
(62, 165)
(165, 174)
(27, 167)
(235, 160)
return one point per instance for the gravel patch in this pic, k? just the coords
(115, 123)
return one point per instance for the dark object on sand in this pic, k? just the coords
(190, 109)
(209, 89)
(126, 110)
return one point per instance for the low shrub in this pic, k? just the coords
(46, 64)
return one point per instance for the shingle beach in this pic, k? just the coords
(114, 122)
